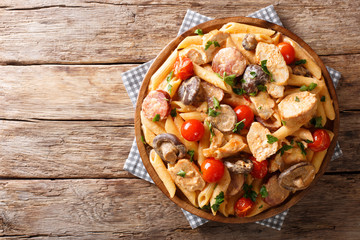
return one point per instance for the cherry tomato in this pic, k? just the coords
(242, 206)
(212, 170)
(321, 140)
(192, 130)
(260, 168)
(287, 51)
(183, 68)
(244, 112)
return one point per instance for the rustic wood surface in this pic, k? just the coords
(66, 122)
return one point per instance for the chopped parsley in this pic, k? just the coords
(260, 107)
(239, 91)
(265, 69)
(206, 207)
(229, 79)
(169, 88)
(262, 88)
(173, 112)
(191, 153)
(213, 113)
(308, 141)
(297, 99)
(322, 99)
(170, 76)
(238, 126)
(253, 75)
(156, 118)
(142, 139)
(264, 193)
(216, 103)
(302, 147)
(199, 32)
(261, 206)
(283, 122)
(253, 94)
(249, 193)
(303, 88)
(219, 199)
(312, 86)
(209, 43)
(302, 61)
(271, 139)
(284, 148)
(181, 173)
(316, 121)
(211, 130)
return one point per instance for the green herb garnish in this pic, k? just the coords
(199, 32)
(143, 139)
(316, 121)
(264, 193)
(265, 69)
(206, 207)
(249, 193)
(209, 43)
(322, 99)
(216, 44)
(284, 148)
(253, 75)
(304, 88)
(271, 139)
(297, 99)
(283, 122)
(213, 113)
(261, 206)
(260, 107)
(169, 88)
(238, 126)
(262, 88)
(308, 141)
(181, 173)
(219, 199)
(302, 61)
(170, 76)
(312, 86)
(173, 112)
(212, 134)
(302, 147)
(191, 153)
(253, 94)
(156, 118)
(216, 103)
(239, 91)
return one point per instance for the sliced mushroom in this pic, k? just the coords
(236, 184)
(210, 91)
(249, 42)
(190, 90)
(272, 123)
(297, 177)
(300, 70)
(242, 166)
(254, 76)
(226, 120)
(169, 147)
(276, 193)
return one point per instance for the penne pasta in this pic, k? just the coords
(194, 115)
(297, 80)
(303, 133)
(172, 86)
(203, 144)
(319, 156)
(205, 194)
(300, 53)
(162, 172)
(190, 40)
(148, 135)
(249, 55)
(212, 78)
(285, 131)
(328, 104)
(163, 71)
(320, 111)
(233, 27)
(152, 126)
(221, 187)
(181, 107)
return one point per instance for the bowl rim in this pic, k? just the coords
(162, 56)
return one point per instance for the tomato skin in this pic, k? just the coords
(212, 170)
(192, 130)
(242, 206)
(260, 168)
(184, 68)
(321, 140)
(244, 112)
(287, 51)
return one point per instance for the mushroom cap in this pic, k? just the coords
(189, 89)
(297, 177)
(241, 166)
(169, 138)
(226, 120)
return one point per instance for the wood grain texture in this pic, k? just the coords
(103, 209)
(103, 31)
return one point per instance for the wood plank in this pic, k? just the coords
(131, 208)
(65, 92)
(95, 149)
(96, 92)
(100, 31)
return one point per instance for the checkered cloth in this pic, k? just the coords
(132, 80)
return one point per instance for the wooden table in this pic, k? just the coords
(67, 121)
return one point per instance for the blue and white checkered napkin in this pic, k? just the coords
(132, 80)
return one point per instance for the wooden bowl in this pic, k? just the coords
(179, 198)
